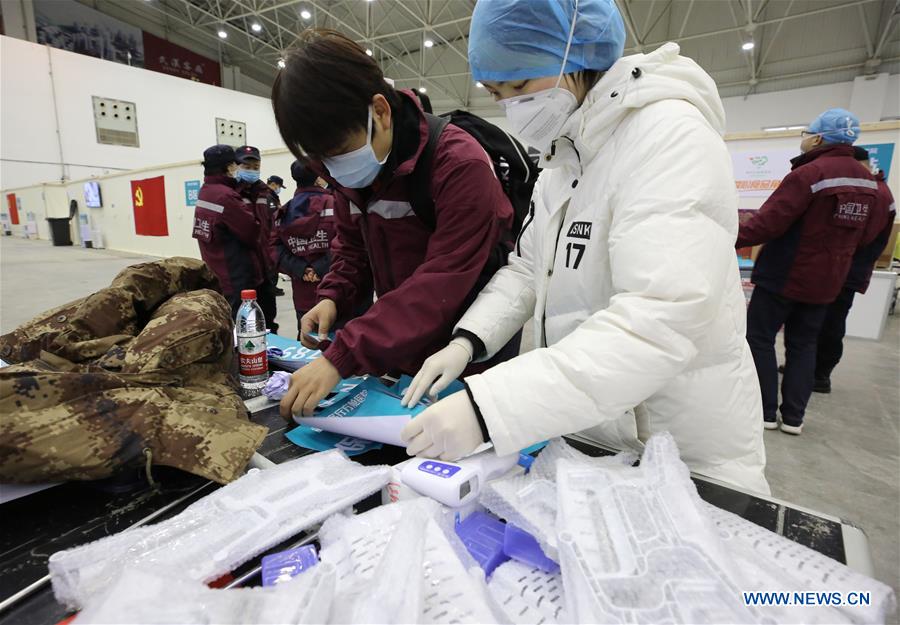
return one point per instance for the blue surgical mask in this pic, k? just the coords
(247, 175)
(356, 169)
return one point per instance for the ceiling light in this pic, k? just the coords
(748, 46)
(369, 51)
(422, 89)
(281, 63)
(305, 14)
(222, 33)
(256, 26)
(478, 84)
(775, 129)
(429, 43)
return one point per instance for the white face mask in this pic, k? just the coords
(356, 169)
(538, 118)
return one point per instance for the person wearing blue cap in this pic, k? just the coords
(812, 226)
(627, 269)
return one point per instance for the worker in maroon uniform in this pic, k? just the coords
(227, 229)
(255, 194)
(304, 229)
(831, 337)
(812, 225)
(335, 110)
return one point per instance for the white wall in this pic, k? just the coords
(801, 106)
(176, 117)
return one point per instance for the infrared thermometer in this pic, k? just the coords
(455, 484)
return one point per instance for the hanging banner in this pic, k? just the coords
(149, 200)
(73, 26)
(168, 58)
(13, 203)
(880, 156)
(757, 174)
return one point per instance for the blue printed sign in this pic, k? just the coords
(880, 156)
(191, 191)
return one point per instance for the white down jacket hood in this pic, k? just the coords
(629, 275)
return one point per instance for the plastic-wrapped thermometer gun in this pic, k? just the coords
(457, 483)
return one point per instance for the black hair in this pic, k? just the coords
(324, 91)
(588, 78)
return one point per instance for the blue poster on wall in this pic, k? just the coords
(880, 156)
(191, 191)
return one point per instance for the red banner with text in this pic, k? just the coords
(149, 199)
(166, 57)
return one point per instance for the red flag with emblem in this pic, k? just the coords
(149, 200)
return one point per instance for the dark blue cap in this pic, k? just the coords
(276, 179)
(246, 153)
(218, 156)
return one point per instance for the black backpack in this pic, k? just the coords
(516, 171)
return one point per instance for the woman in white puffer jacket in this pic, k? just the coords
(627, 269)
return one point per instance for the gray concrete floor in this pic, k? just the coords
(846, 463)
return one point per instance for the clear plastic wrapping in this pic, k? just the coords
(635, 545)
(394, 591)
(357, 545)
(635, 548)
(151, 598)
(528, 595)
(223, 530)
(529, 501)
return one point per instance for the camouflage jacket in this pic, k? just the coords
(141, 368)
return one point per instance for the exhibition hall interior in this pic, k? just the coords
(449, 311)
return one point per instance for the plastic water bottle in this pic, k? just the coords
(251, 340)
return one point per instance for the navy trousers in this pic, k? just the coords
(831, 337)
(802, 322)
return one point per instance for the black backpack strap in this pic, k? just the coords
(419, 182)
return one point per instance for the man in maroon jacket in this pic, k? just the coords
(333, 107)
(255, 195)
(228, 231)
(812, 226)
(831, 337)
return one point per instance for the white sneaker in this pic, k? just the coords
(791, 429)
(770, 425)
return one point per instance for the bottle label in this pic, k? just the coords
(252, 354)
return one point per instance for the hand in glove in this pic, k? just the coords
(445, 366)
(447, 430)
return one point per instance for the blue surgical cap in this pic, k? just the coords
(836, 126)
(519, 39)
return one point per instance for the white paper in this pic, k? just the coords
(379, 429)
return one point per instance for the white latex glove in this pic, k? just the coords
(445, 366)
(447, 430)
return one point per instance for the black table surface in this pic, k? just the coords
(72, 514)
